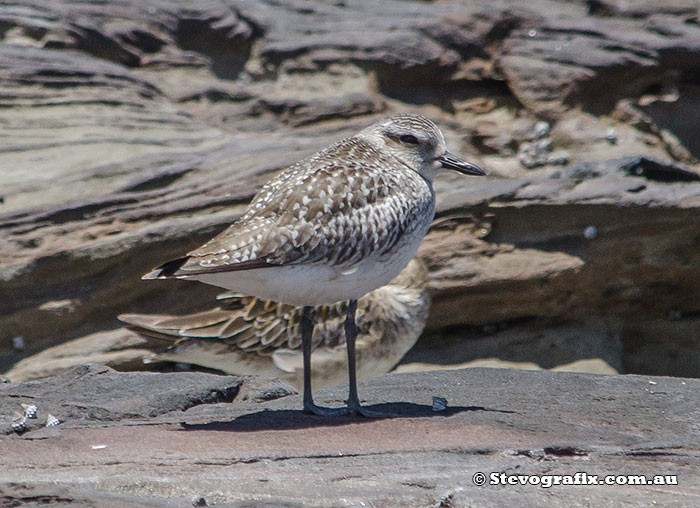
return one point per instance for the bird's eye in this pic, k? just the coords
(409, 139)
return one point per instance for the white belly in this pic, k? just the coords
(317, 284)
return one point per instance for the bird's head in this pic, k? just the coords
(418, 143)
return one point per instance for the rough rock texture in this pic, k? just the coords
(133, 131)
(95, 392)
(264, 454)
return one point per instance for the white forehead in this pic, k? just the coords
(413, 122)
(408, 123)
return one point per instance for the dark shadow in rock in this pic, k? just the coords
(287, 419)
(226, 41)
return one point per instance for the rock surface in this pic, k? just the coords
(133, 131)
(97, 393)
(263, 451)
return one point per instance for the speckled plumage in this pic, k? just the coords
(339, 206)
(333, 226)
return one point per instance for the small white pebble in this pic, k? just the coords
(98, 446)
(611, 136)
(652, 382)
(439, 403)
(542, 128)
(590, 232)
(18, 343)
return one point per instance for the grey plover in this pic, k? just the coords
(330, 228)
(246, 335)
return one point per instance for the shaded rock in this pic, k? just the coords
(640, 8)
(97, 393)
(653, 345)
(668, 113)
(31, 495)
(297, 112)
(526, 343)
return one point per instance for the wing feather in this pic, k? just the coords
(337, 207)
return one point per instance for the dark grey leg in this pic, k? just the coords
(354, 406)
(307, 330)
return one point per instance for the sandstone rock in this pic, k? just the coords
(271, 454)
(589, 366)
(133, 131)
(94, 392)
(120, 349)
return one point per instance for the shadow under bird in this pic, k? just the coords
(246, 335)
(331, 228)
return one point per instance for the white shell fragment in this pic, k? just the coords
(19, 425)
(52, 421)
(29, 410)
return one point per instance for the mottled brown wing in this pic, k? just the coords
(319, 209)
(248, 324)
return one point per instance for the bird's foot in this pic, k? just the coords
(350, 410)
(313, 409)
(358, 410)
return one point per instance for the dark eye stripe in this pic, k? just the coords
(409, 139)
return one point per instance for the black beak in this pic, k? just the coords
(450, 161)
